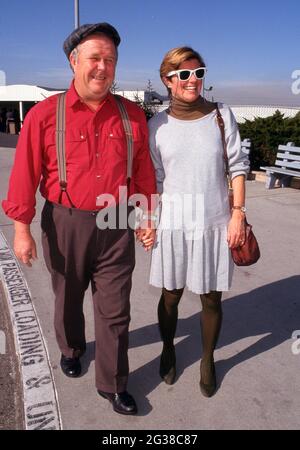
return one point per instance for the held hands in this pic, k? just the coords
(236, 229)
(146, 234)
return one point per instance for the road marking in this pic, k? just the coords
(40, 396)
(2, 343)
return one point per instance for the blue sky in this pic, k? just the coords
(250, 48)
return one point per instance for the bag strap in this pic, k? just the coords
(60, 132)
(221, 124)
(129, 136)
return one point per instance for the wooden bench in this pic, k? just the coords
(287, 165)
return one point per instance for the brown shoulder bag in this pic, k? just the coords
(248, 253)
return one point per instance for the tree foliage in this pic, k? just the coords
(146, 107)
(266, 134)
(114, 87)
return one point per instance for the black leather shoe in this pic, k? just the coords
(122, 402)
(208, 372)
(71, 367)
(167, 368)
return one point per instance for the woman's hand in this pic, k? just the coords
(236, 229)
(146, 234)
(147, 238)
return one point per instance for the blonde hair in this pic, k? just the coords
(175, 57)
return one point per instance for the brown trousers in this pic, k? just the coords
(76, 253)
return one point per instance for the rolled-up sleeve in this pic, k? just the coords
(238, 160)
(26, 172)
(143, 171)
(156, 158)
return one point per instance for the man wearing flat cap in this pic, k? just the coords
(75, 156)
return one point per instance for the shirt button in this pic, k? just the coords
(97, 155)
(81, 137)
(98, 176)
(97, 134)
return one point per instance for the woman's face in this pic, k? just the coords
(189, 90)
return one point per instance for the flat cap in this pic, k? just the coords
(83, 31)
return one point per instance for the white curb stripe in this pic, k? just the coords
(40, 396)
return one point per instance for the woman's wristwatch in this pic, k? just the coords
(241, 208)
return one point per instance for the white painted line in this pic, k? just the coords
(2, 343)
(40, 396)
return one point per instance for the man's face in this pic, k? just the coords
(94, 67)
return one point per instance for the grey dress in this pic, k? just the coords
(191, 247)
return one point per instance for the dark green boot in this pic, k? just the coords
(167, 368)
(167, 322)
(208, 382)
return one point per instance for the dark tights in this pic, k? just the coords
(210, 318)
(168, 314)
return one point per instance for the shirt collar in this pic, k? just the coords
(74, 98)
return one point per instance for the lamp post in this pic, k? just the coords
(76, 11)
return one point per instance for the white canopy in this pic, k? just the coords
(25, 93)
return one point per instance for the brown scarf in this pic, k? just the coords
(187, 110)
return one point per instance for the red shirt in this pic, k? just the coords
(96, 156)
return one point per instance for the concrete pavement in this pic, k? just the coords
(11, 394)
(258, 374)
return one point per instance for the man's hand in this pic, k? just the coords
(146, 237)
(24, 244)
(146, 234)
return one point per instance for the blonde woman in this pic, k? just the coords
(197, 228)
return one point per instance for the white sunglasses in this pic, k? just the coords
(185, 74)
